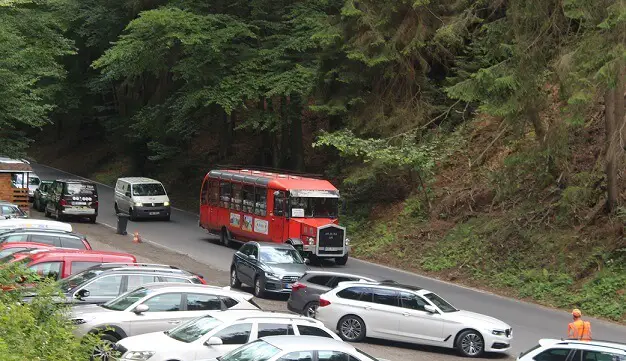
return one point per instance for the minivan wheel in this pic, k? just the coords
(351, 328)
(259, 291)
(104, 350)
(341, 261)
(470, 344)
(234, 280)
(310, 309)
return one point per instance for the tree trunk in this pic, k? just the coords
(297, 146)
(540, 129)
(611, 111)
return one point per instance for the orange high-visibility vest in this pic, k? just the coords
(580, 330)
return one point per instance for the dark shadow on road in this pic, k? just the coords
(433, 349)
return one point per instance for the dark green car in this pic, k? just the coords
(40, 197)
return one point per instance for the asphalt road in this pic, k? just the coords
(182, 234)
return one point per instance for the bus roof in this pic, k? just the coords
(278, 181)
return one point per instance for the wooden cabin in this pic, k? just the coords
(14, 179)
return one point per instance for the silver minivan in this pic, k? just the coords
(142, 198)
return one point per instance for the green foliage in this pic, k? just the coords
(36, 330)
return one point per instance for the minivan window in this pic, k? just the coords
(148, 189)
(79, 188)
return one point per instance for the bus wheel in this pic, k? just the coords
(341, 261)
(224, 240)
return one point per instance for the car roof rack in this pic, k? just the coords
(592, 340)
(139, 264)
(282, 317)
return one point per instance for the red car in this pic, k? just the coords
(61, 263)
(7, 249)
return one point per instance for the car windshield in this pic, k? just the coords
(280, 255)
(79, 188)
(440, 302)
(258, 350)
(127, 299)
(34, 181)
(149, 189)
(305, 207)
(78, 279)
(194, 329)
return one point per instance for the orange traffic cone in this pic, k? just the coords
(136, 238)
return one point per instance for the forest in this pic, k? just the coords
(480, 141)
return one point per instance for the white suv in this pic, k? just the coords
(392, 311)
(217, 333)
(153, 307)
(574, 350)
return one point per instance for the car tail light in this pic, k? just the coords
(62, 202)
(324, 302)
(297, 286)
(94, 204)
(201, 279)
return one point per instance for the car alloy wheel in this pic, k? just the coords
(471, 344)
(234, 281)
(104, 349)
(310, 309)
(352, 328)
(258, 288)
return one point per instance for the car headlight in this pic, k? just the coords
(167, 204)
(498, 332)
(272, 275)
(138, 204)
(310, 240)
(138, 355)
(347, 241)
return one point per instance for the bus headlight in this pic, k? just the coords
(310, 240)
(347, 241)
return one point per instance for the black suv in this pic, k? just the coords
(104, 282)
(72, 198)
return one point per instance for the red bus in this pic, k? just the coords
(243, 205)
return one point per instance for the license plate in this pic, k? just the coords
(288, 285)
(331, 248)
(154, 213)
(79, 203)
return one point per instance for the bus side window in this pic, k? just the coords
(279, 203)
(235, 200)
(260, 202)
(225, 192)
(248, 198)
(214, 192)
(204, 192)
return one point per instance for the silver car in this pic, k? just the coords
(274, 348)
(151, 308)
(305, 294)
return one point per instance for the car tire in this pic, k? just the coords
(234, 280)
(351, 328)
(341, 261)
(470, 343)
(46, 213)
(35, 204)
(103, 351)
(92, 219)
(310, 309)
(167, 218)
(258, 289)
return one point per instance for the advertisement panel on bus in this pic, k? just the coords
(247, 205)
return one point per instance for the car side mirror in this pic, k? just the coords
(430, 309)
(214, 341)
(141, 309)
(252, 257)
(82, 294)
(127, 194)
(307, 261)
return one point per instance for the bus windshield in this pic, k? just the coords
(309, 207)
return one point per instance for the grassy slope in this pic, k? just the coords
(500, 218)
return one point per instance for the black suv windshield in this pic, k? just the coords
(280, 255)
(126, 300)
(149, 189)
(78, 279)
(443, 305)
(79, 188)
(314, 207)
(193, 330)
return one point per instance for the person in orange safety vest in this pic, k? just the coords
(579, 329)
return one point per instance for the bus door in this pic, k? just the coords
(204, 203)
(214, 203)
(277, 219)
